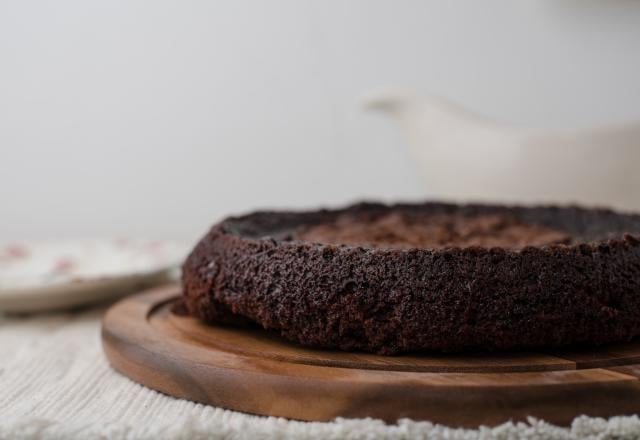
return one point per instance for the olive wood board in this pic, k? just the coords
(255, 371)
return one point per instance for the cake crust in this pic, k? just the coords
(339, 279)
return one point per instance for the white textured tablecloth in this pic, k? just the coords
(55, 383)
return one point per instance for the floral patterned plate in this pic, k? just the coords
(54, 275)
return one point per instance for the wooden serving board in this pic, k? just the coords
(257, 372)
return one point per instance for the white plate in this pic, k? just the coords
(54, 275)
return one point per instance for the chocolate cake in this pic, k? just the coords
(423, 277)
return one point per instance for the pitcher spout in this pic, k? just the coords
(390, 101)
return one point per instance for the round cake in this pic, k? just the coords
(423, 277)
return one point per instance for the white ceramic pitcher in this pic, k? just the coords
(463, 156)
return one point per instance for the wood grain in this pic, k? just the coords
(609, 356)
(257, 372)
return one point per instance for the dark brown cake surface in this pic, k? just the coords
(395, 230)
(424, 277)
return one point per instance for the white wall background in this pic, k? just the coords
(156, 118)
